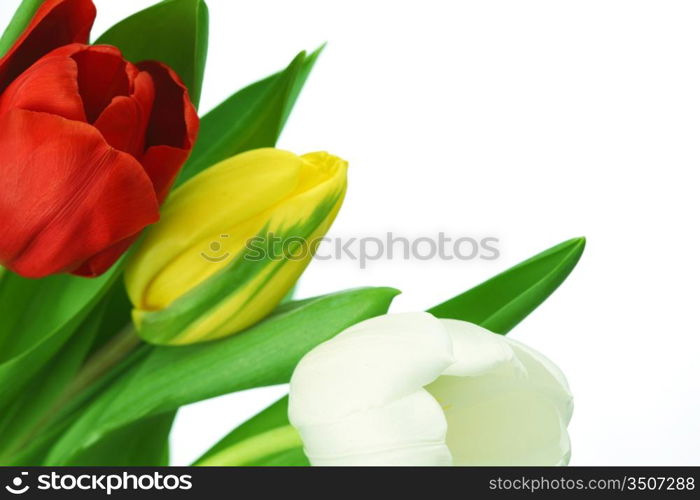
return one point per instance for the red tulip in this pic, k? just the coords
(90, 144)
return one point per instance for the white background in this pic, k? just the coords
(533, 121)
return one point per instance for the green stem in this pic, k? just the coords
(101, 362)
(114, 351)
(247, 451)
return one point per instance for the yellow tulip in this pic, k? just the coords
(231, 243)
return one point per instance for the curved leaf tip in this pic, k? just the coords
(506, 299)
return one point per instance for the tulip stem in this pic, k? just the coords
(262, 445)
(114, 351)
(101, 362)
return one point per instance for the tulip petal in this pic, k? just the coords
(95, 197)
(306, 215)
(124, 121)
(511, 410)
(547, 376)
(162, 164)
(409, 389)
(55, 23)
(476, 350)
(496, 419)
(254, 284)
(175, 122)
(102, 261)
(49, 86)
(242, 188)
(102, 76)
(368, 366)
(172, 130)
(408, 431)
(196, 278)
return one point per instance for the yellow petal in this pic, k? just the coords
(208, 223)
(212, 203)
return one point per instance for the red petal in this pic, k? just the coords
(67, 195)
(124, 121)
(172, 130)
(162, 164)
(102, 76)
(49, 86)
(55, 23)
(101, 262)
(174, 121)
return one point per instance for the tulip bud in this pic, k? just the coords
(410, 389)
(231, 243)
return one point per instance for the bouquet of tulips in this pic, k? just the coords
(129, 286)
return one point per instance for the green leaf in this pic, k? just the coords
(37, 449)
(38, 318)
(32, 405)
(117, 315)
(174, 32)
(229, 450)
(505, 300)
(19, 21)
(144, 443)
(258, 448)
(293, 457)
(266, 354)
(251, 118)
(272, 417)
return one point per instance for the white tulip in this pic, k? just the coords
(410, 389)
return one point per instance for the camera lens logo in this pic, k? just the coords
(16, 488)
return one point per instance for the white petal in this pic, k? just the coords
(358, 399)
(498, 419)
(505, 403)
(409, 431)
(368, 366)
(546, 376)
(477, 350)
